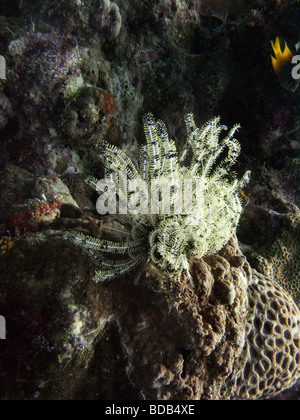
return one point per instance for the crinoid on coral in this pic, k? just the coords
(194, 207)
(217, 329)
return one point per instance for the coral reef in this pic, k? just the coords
(6, 110)
(234, 336)
(59, 315)
(271, 355)
(185, 341)
(107, 20)
(81, 71)
(280, 259)
(240, 330)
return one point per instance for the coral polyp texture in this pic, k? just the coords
(233, 336)
(272, 357)
(195, 199)
(281, 260)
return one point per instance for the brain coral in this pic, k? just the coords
(281, 260)
(272, 357)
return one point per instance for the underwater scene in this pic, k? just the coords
(149, 200)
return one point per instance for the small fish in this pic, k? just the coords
(281, 58)
(6, 243)
(283, 66)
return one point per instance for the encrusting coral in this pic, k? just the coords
(198, 322)
(183, 342)
(108, 20)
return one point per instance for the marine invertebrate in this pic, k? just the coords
(47, 56)
(105, 101)
(280, 260)
(235, 335)
(184, 343)
(271, 356)
(31, 214)
(176, 227)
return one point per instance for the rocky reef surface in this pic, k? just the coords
(79, 71)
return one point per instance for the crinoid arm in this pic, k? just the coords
(112, 269)
(97, 249)
(115, 160)
(94, 244)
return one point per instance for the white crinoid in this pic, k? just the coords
(173, 206)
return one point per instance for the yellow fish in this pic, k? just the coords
(282, 65)
(281, 58)
(6, 244)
